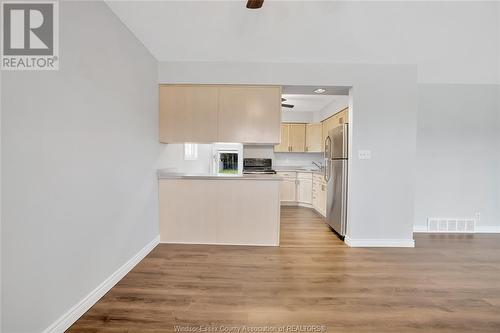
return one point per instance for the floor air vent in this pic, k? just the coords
(465, 225)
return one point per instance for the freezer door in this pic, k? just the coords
(336, 204)
(338, 136)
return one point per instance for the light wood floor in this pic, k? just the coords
(448, 283)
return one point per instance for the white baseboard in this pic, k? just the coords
(70, 317)
(379, 242)
(487, 229)
(419, 228)
(218, 244)
(479, 229)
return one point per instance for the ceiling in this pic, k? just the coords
(311, 103)
(309, 90)
(344, 32)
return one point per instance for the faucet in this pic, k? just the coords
(320, 166)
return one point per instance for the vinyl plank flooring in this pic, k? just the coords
(448, 283)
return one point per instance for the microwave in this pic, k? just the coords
(227, 158)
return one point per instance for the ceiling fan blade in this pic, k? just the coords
(283, 99)
(254, 4)
(283, 105)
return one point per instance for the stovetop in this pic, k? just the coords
(268, 171)
(258, 166)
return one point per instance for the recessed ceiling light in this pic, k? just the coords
(319, 90)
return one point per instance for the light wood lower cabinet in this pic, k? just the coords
(304, 190)
(219, 211)
(288, 187)
(319, 194)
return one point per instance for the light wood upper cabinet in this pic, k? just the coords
(249, 114)
(297, 138)
(188, 113)
(283, 146)
(314, 139)
(334, 121)
(293, 138)
(220, 113)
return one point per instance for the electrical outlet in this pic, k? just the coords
(364, 154)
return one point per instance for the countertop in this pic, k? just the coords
(166, 174)
(296, 169)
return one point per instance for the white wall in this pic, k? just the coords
(1, 219)
(79, 146)
(383, 119)
(337, 105)
(297, 116)
(458, 153)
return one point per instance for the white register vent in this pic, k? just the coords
(441, 224)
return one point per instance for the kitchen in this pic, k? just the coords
(81, 151)
(279, 160)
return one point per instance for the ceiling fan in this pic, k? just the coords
(285, 105)
(254, 4)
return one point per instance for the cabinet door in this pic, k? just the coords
(188, 113)
(287, 190)
(304, 191)
(283, 146)
(343, 116)
(314, 140)
(297, 138)
(249, 114)
(315, 195)
(322, 199)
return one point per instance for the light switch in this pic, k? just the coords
(364, 154)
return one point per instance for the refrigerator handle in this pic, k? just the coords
(328, 147)
(327, 170)
(327, 151)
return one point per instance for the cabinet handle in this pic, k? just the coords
(307, 149)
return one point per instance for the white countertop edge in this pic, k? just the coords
(292, 169)
(179, 175)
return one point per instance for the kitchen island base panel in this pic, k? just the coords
(219, 212)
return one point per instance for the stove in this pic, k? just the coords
(258, 166)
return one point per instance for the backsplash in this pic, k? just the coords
(172, 158)
(282, 159)
(297, 159)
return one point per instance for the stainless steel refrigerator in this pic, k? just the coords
(336, 157)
